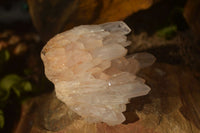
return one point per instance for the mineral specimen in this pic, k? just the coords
(90, 73)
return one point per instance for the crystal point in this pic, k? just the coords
(91, 75)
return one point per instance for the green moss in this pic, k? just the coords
(167, 32)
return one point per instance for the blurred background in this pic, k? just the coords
(169, 29)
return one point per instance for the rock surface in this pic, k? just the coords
(91, 75)
(67, 14)
(192, 16)
(171, 107)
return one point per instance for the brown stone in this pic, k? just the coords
(171, 107)
(192, 16)
(53, 16)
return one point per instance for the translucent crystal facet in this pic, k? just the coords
(91, 75)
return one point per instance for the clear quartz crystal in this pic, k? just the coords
(91, 75)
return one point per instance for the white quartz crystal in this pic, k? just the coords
(91, 75)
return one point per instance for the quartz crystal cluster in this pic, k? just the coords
(91, 74)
